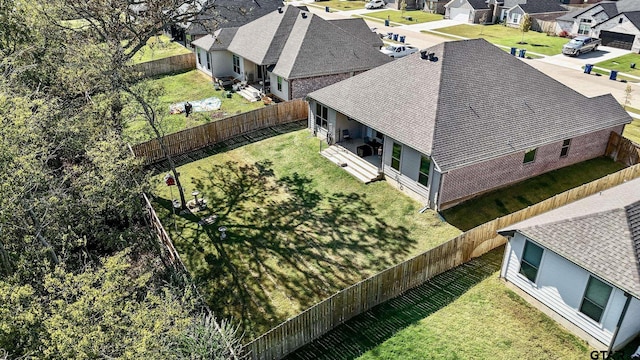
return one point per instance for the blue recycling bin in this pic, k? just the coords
(326, 9)
(389, 35)
(386, 23)
(588, 68)
(522, 52)
(401, 38)
(613, 75)
(395, 37)
(513, 51)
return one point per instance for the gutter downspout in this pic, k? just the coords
(622, 314)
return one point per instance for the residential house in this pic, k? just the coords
(435, 6)
(541, 12)
(463, 118)
(468, 11)
(580, 264)
(606, 21)
(510, 12)
(289, 53)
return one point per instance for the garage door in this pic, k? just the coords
(618, 40)
(461, 15)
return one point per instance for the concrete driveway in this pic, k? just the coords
(603, 53)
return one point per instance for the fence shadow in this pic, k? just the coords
(370, 329)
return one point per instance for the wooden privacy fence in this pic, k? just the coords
(392, 282)
(172, 64)
(214, 132)
(623, 150)
(172, 257)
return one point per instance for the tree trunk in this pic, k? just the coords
(43, 241)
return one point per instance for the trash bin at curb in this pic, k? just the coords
(513, 51)
(326, 9)
(389, 35)
(395, 37)
(401, 38)
(588, 68)
(386, 23)
(613, 75)
(522, 52)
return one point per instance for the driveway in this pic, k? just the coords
(603, 53)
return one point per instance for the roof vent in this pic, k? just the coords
(280, 10)
(424, 55)
(304, 15)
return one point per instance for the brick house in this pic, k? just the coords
(452, 129)
(289, 53)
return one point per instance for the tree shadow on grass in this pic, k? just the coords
(368, 330)
(287, 244)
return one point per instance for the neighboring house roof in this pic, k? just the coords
(634, 18)
(359, 28)
(611, 8)
(478, 4)
(230, 13)
(456, 111)
(318, 47)
(600, 233)
(220, 39)
(541, 6)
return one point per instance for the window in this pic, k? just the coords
(529, 156)
(396, 153)
(423, 173)
(620, 21)
(515, 18)
(321, 116)
(208, 61)
(585, 27)
(236, 64)
(531, 258)
(565, 148)
(199, 58)
(595, 299)
(279, 83)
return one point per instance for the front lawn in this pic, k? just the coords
(502, 35)
(299, 229)
(623, 64)
(159, 47)
(504, 201)
(417, 16)
(339, 4)
(632, 131)
(188, 86)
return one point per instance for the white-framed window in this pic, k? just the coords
(208, 61)
(236, 64)
(279, 80)
(503, 14)
(584, 28)
(199, 57)
(529, 156)
(565, 148)
(322, 114)
(595, 299)
(531, 259)
(423, 172)
(396, 155)
(514, 18)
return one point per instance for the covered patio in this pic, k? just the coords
(357, 158)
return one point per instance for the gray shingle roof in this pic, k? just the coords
(600, 233)
(634, 17)
(220, 39)
(541, 6)
(318, 47)
(456, 110)
(611, 8)
(230, 13)
(478, 4)
(359, 28)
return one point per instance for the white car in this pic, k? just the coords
(375, 4)
(398, 50)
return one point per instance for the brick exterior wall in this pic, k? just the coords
(461, 184)
(301, 87)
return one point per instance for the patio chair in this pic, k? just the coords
(346, 136)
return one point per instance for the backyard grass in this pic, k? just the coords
(339, 4)
(501, 35)
(623, 64)
(299, 229)
(192, 85)
(417, 16)
(501, 202)
(159, 47)
(632, 131)
(487, 322)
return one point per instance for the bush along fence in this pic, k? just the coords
(623, 150)
(392, 282)
(199, 137)
(172, 64)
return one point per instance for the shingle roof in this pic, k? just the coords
(359, 28)
(456, 110)
(634, 18)
(600, 233)
(220, 39)
(230, 13)
(261, 41)
(611, 8)
(318, 47)
(478, 4)
(541, 6)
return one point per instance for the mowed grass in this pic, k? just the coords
(339, 4)
(416, 16)
(188, 86)
(623, 64)
(632, 131)
(159, 47)
(487, 322)
(502, 35)
(504, 201)
(299, 229)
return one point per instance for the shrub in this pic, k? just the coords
(563, 34)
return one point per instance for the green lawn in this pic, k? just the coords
(502, 35)
(501, 202)
(632, 131)
(159, 47)
(487, 322)
(622, 64)
(339, 4)
(299, 229)
(417, 16)
(192, 85)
